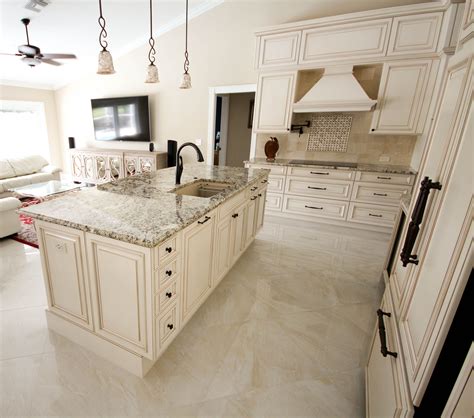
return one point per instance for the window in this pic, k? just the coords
(23, 129)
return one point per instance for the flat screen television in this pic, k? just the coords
(121, 119)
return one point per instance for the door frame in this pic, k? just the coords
(220, 90)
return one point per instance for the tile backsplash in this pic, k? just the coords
(361, 147)
(329, 132)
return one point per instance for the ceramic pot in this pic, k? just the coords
(271, 148)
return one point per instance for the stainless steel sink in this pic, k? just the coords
(203, 188)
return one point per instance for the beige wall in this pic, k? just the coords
(48, 99)
(221, 48)
(238, 132)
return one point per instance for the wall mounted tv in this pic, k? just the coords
(121, 119)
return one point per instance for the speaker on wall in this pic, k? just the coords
(151, 147)
(172, 149)
(72, 142)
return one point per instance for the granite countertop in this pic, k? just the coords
(141, 210)
(342, 165)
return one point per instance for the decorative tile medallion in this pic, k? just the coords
(329, 132)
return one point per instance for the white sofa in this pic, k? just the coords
(9, 219)
(17, 172)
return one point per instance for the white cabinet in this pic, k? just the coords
(260, 209)
(387, 394)
(250, 218)
(121, 293)
(197, 255)
(238, 232)
(341, 42)
(402, 100)
(222, 251)
(65, 272)
(280, 49)
(275, 92)
(415, 34)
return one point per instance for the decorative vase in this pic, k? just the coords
(271, 148)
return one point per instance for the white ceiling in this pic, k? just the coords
(70, 26)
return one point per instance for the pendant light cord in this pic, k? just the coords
(103, 33)
(151, 41)
(186, 55)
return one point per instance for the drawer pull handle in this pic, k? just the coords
(381, 194)
(320, 173)
(384, 178)
(253, 189)
(317, 188)
(168, 249)
(313, 207)
(235, 215)
(264, 181)
(260, 195)
(253, 198)
(204, 221)
(169, 294)
(375, 216)
(383, 337)
(169, 272)
(170, 326)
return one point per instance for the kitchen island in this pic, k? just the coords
(128, 263)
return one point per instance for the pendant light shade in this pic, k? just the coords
(152, 69)
(106, 64)
(186, 79)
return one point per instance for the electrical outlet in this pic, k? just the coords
(198, 142)
(384, 158)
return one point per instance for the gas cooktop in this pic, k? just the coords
(324, 163)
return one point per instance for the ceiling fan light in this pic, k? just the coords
(152, 74)
(185, 81)
(106, 64)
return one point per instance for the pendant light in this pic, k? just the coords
(152, 70)
(186, 80)
(106, 64)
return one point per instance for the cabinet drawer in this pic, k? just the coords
(166, 297)
(274, 202)
(325, 189)
(276, 183)
(386, 194)
(341, 42)
(387, 394)
(274, 169)
(386, 178)
(315, 207)
(415, 34)
(228, 207)
(372, 214)
(279, 49)
(166, 273)
(322, 173)
(168, 249)
(167, 328)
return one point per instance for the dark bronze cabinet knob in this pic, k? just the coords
(169, 272)
(169, 294)
(168, 249)
(170, 326)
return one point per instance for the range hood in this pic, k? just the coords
(337, 91)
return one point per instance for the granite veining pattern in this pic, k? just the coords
(143, 210)
(378, 168)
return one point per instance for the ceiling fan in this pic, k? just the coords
(32, 55)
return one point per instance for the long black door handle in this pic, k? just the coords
(383, 337)
(317, 188)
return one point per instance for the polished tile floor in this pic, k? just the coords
(286, 333)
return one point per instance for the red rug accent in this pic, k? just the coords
(27, 234)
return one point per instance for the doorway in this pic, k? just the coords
(230, 137)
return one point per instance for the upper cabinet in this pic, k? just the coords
(275, 92)
(401, 108)
(345, 41)
(278, 50)
(415, 34)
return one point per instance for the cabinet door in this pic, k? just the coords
(197, 280)
(250, 215)
(403, 89)
(387, 393)
(262, 195)
(237, 232)
(277, 50)
(77, 166)
(121, 286)
(65, 272)
(222, 252)
(275, 93)
(147, 164)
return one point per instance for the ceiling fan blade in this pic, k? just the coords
(59, 56)
(51, 62)
(5, 53)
